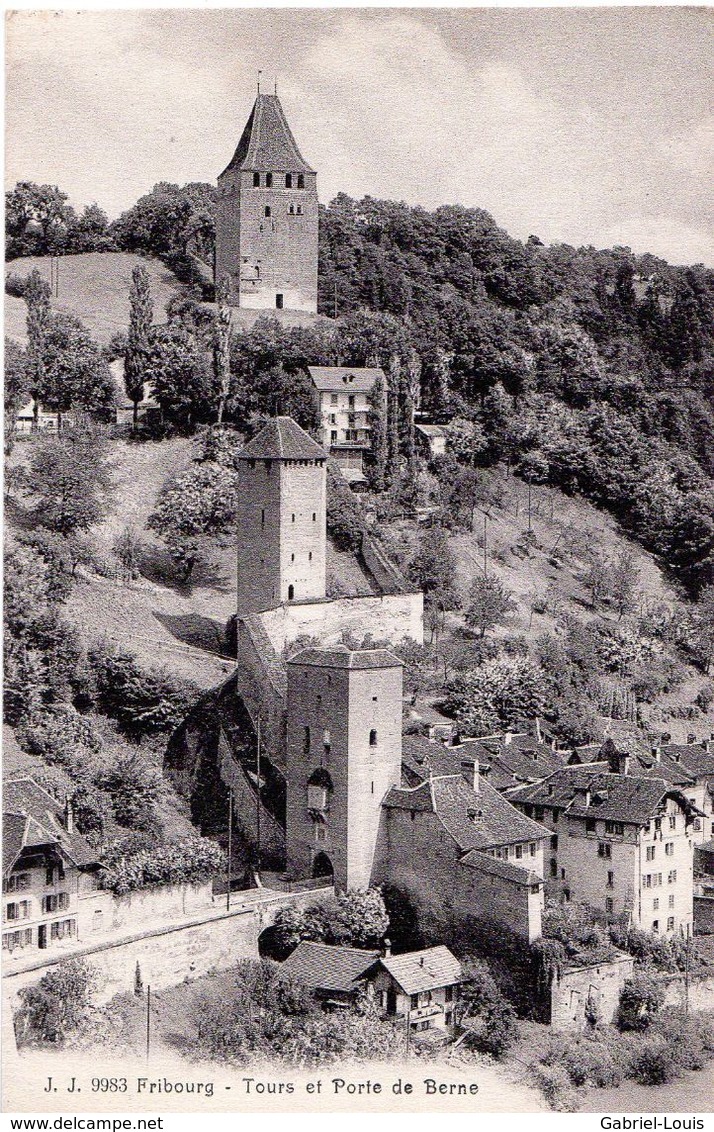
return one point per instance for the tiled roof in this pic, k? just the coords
(614, 797)
(338, 656)
(282, 439)
(341, 379)
(690, 757)
(474, 820)
(320, 966)
(33, 817)
(267, 142)
(431, 429)
(494, 866)
(417, 971)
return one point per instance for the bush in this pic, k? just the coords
(654, 1063)
(142, 701)
(555, 1085)
(55, 1005)
(134, 787)
(345, 524)
(484, 1011)
(705, 696)
(587, 1061)
(356, 919)
(15, 285)
(186, 862)
(640, 1001)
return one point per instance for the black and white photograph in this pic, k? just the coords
(358, 733)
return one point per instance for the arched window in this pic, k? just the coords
(301, 181)
(256, 180)
(288, 180)
(291, 210)
(268, 180)
(373, 738)
(291, 593)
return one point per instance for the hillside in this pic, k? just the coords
(94, 287)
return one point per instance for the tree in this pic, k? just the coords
(434, 567)
(222, 344)
(55, 1005)
(183, 379)
(466, 440)
(501, 693)
(377, 456)
(17, 388)
(71, 480)
(489, 603)
(345, 524)
(640, 1001)
(194, 509)
(75, 374)
(134, 789)
(625, 578)
(37, 299)
(484, 1012)
(356, 918)
(598, 580)
(37, 219)
(138, 347)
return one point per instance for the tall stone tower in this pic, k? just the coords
(344, 752)
(281, 517)
(266, 216)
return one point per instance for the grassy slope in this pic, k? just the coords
(568, 530)
(95, 288)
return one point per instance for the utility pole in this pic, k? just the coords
(148, 1021)
(529, 500)
(335, 298)
(257, 801)
(230, 848)
(485, 521)
(687, 954)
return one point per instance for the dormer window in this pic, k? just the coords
(288, 180)
(268, 180)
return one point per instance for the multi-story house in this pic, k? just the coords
(620, 842)
(48, 868)
(343, 396)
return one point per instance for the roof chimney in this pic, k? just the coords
(623, 763)
(539, 733)
(691, 738)
(657, 754)
(387, 948)
(470, 770)
(508, 735)
(68, 815)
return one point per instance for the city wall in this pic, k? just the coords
(600, 983)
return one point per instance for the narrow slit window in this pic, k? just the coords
(288, 180)
(373, 738)
(267, 210)
(256, 180)
(268, 180)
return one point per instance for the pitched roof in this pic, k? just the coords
(474, 820)
(338, 656)
(267, 142)
(431, 429)
(353, 379)
(593, 791)
(32, 817)
(321, 966)
(693, 758)
(495, 866)
(417, 971)
(282, 439)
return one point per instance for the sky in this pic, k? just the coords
(581, 126)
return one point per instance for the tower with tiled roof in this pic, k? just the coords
(344, 753)
(281, 524)
(267, 216)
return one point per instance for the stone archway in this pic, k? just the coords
(322, 867)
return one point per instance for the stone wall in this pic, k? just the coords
(262, 683)
(389, 617)
(704, 915)
(601, 983)
(272, 834)
(171, 952)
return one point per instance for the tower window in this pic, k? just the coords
(267, 210)
(306, 740)
(299, 210)
(256, 180)
(291, 593)
(292, 557)
(309, 557)
(326, 739)
(279, 302)
(293, 518)
(314, 516)
(301, 181)
(288, 180)
(268, 180)
(291, 210)
(373, 738)
(262, 517)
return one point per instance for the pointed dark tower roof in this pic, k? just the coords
(267, 142)
(282, 439)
